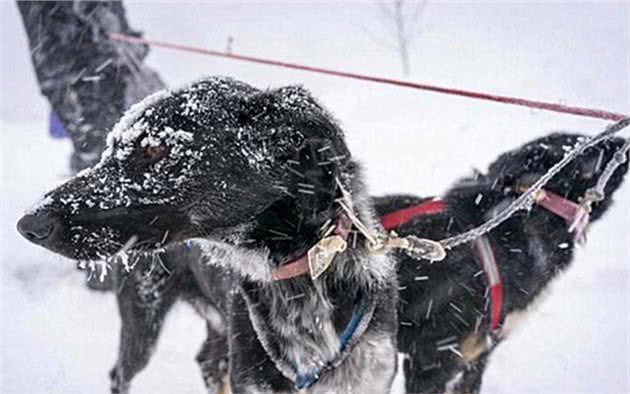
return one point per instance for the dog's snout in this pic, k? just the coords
(37, 228)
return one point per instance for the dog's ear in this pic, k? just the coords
(309, 153)
(516, 170)
(307, 145)
(311, 174)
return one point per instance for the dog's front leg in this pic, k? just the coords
(213, 361)
(471, 380)
(143, 301)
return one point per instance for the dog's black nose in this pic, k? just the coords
(37, 228)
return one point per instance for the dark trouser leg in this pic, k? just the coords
(88, 78)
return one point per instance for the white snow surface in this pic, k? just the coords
(59, 338)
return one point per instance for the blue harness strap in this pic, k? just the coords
(308, 379)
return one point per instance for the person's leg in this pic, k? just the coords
(88, 78)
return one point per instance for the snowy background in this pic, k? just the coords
(59, 338)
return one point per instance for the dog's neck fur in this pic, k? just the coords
(306, 317)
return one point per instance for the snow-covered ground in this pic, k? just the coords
(59, 338)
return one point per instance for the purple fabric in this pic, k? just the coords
(55, 127)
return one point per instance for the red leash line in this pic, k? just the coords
(588, 112)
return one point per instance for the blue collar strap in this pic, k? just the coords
(356, 324)
(356, 327)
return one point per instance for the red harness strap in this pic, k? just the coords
(484, 251)
(482, 246)
(397, 218)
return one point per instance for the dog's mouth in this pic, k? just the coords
(101, 235)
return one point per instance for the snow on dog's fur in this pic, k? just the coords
(251, 176)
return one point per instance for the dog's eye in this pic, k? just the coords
(155, 152)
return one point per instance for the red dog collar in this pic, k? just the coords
(320, 256)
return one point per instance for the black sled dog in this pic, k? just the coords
(453, 313)
(256, 179)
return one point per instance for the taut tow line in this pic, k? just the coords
(535, 104)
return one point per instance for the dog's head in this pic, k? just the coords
(515, 171)
(217, 156)
(479, 197)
